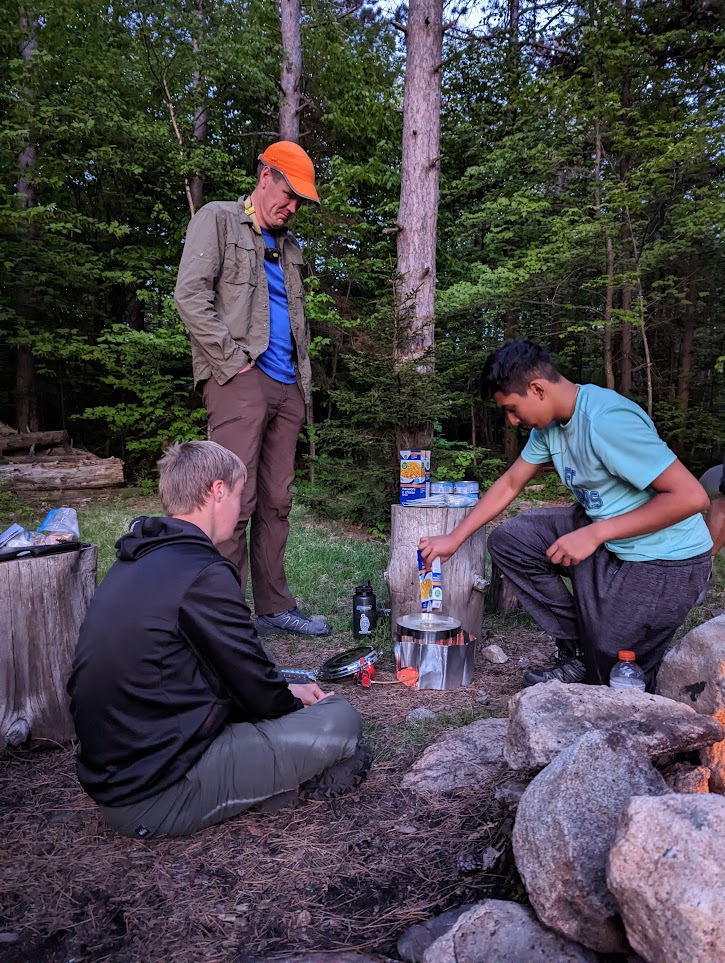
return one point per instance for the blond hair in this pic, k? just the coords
(188, 470)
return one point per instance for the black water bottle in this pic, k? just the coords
(364, 612)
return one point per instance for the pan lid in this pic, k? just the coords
(429, 622)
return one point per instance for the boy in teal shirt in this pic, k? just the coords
(635, 547)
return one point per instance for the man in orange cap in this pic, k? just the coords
(239, 292)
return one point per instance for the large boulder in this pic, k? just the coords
(414, 941)
(667, 871)
(504, 932)
(548, 717)
(470, 756)
(566, 823)
(693, 672)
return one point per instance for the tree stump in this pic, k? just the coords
(42, 603)
(462, 576)
(501, 597)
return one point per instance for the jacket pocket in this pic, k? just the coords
(239, 264)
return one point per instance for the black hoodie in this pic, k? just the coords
(166, 656)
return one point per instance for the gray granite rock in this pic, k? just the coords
(683, 777)
(495, 654)
(566, 823)
(508, 794)
(470, 756)
(496, 931)
(546, 718)
(667, 871)
(417, 938)
(420, 714)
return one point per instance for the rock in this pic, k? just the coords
(546, 718)
(683, 777)
(501, 932)
(470, 756)
(566, 823)
(420, 714)
(417, 938)
(667, 870)
(509, 793)
(693, 672)
(483, 697)
(494, 653)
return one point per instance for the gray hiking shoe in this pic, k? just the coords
(573, 670)
(293, 622)
(340, 778)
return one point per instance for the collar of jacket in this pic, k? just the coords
(248, 216)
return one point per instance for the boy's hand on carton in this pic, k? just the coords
(574, 547)
(436, 546)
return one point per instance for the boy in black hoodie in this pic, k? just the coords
(182, 718)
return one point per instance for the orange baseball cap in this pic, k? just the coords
(294, 165)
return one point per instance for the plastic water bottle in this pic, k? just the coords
(626, 674)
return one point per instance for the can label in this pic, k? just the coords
(431, 588)
(442, 487)
(465, 487)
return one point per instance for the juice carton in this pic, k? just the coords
(431, 588)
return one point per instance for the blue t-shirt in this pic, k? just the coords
(608, 455)
(277, 360)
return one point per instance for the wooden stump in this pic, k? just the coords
(42, 604)
(462, 576)
(501, 598)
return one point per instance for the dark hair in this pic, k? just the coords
(276, 175)
(510, 368)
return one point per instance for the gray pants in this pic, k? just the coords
(245, 765)
(614, 604)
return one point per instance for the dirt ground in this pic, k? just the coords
(352, 873)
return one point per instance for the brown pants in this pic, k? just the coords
(260, 419)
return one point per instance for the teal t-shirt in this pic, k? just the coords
(608, 455)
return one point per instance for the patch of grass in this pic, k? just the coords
(103, 523)
(13, 510)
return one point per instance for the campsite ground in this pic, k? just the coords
(351, 874)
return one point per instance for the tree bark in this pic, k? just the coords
(687, 343)
(501, 597)
(462, 576)
(26, 407)
(16, 441)
(291, 78)
(200, 127)
(419, 189)
(42, 604)
(50, 474)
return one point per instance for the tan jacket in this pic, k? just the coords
(222, 295)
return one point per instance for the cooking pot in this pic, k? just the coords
(436, 646)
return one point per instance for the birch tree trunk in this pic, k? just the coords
(290, 13)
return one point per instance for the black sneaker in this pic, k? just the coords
(340, 778)
(292, 623)
(573, 670)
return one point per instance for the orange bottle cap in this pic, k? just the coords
(626, 656)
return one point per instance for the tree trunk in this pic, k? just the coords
(500, 596)
(418, 215)
(58, 473)
(201, 115)
(625, 375)
(687, 343)
(26, 409)
(291, 78)
(42, 604)
(462, 576)
(510, 434)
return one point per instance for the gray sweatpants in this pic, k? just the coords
(245, 765)
(615, 605)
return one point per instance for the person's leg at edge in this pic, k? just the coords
(245, 765)
(518, 547)
(275, 475)
(238, 418)
(635, 605)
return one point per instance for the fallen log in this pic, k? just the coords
(42, 604)
(48, 475)
(16, 441)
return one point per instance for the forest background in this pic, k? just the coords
(581, 204)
